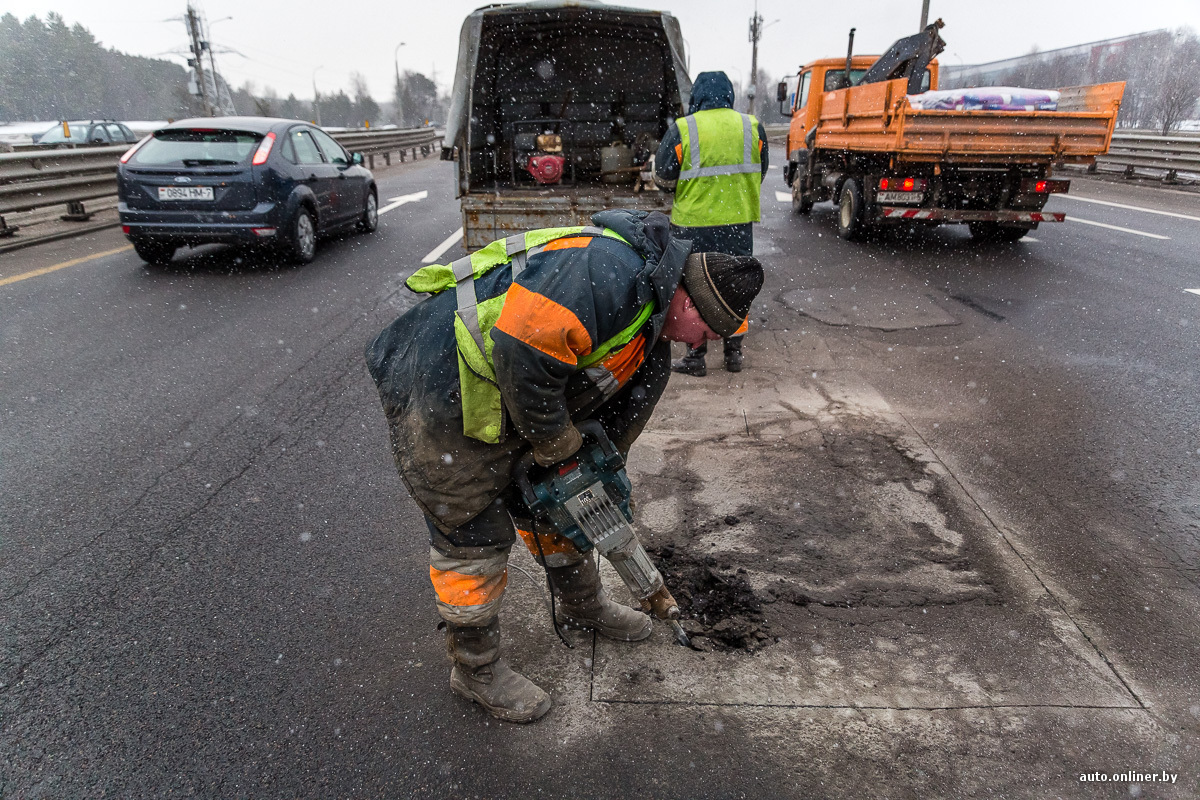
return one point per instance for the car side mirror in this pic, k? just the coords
(356, 159)
(781, 96)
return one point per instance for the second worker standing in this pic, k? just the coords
(715, 160)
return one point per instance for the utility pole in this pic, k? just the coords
(756, 28)
(197, 59)
(924, 13)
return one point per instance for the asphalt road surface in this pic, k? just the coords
(213, 584)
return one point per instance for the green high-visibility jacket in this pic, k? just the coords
(719, 169)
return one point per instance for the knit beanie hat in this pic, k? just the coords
(722, 287)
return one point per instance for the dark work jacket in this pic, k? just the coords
(569, 299)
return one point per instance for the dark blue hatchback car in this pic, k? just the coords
(241, 180)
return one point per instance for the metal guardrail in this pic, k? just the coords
(1133, 151)
(41, 178)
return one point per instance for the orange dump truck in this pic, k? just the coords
(864, 136)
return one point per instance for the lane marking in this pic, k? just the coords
(783, 197)
(436, 253)
(1193, 291)
(1131, 208)
(1029, 239)
(1116, 228)
(396, 202)
(73, 262)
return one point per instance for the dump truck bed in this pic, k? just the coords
(877, 118)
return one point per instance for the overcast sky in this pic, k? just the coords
(280, 44)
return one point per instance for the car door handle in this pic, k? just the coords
(311, 178)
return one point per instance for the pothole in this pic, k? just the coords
(719, 608)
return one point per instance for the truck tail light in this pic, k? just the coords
(903, 184)
(264, 149)
(129, 153)
(1045, 186)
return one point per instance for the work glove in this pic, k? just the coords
(560, 447)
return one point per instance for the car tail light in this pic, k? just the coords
(129, 153)
(263, 231)
(124, 229)
(264, 150)
(884, 183)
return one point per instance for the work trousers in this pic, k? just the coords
(469, 565)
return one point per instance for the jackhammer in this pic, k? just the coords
(586, 499)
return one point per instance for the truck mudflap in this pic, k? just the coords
(957, 215)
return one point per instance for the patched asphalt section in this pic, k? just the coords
(823, 559)
(881, 307)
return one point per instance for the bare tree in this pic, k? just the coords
(1178, 86)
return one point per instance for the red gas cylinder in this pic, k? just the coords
(546, 168)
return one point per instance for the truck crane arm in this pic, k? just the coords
(908, 58)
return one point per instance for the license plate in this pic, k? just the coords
(899, 197)
(185, 193)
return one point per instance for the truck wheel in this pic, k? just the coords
(801, 202)
(996, 231)
(302, 237)
(850, 210)
(157, 253)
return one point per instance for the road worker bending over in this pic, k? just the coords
(714, 159)
(519, 340)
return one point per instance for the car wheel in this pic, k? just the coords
(152, 252)
(996, 232)
(302, 236)
(370, 217)
(850, 210)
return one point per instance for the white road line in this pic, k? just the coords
(1115, 227)
(436, 253)
(1131, 208)
(783, 197)
(402, 199)
(1029, 239)
(1193, 291)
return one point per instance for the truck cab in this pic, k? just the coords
(799, 100)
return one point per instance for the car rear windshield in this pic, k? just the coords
(198, 148)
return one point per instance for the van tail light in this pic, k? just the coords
(129, 153)
(903, 184)
(264, 150)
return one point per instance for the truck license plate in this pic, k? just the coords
(899, 197)
(185, 193)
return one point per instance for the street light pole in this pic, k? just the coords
(396, 60)
(756, 26)
(316, 96)
(924, 13)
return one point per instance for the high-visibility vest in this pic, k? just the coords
(720, 169)
(483, 411)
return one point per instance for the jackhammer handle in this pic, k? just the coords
(661, 605)
(520, 473)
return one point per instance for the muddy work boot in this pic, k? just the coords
(584, 605)
(733, 354)
(693, 363)
(479, 674)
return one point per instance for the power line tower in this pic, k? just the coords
(196, 62)
(756, 29)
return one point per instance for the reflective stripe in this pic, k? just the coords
(559, 551)
(696, 169)
(468, 303)
(514, 247)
